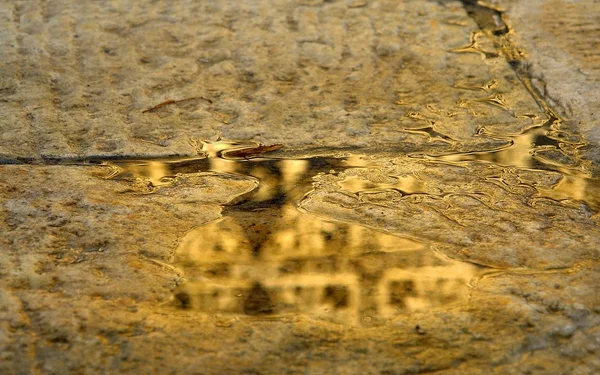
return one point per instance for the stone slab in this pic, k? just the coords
(77, 78)
(86, 272)
(561, 41)
(86, 283)
(476, 212)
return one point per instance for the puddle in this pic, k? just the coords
(266, 257)
(406, 184)
(536, 148)
(542, 148)
(281, 261)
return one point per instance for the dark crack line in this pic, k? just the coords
(491, 20)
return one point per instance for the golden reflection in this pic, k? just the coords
(408, 184)
(274, 259)
(475, 47)
(220, 241)
(222, 165)
(495, 99)
(213, 149)
(264, 256)
(292, 171)
(414, 289)
(575, 187)
(152, 171)
(268, 183)
(305, 265)
(575, 184)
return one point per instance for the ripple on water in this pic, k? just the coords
(266, 257)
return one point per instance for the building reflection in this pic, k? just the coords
(264, 256)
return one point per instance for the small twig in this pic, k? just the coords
(168, 102)
(177, 271)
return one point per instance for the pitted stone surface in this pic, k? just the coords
(87, 275)
(86, 279)
(77, 77)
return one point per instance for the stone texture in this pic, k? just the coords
(492, 216)
(88, 224)
(77, 77)
(87, 269)
(561, 41)
(69, 305)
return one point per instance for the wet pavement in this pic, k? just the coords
(265, 256)
(268, 256)
(323, 187)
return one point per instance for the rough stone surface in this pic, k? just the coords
(561, 40)
(99, 225)
(77, 77)
(88, 268)
(69, 305)
(493, 216)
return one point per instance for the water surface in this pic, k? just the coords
(266, 257)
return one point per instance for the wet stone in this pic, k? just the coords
(559, 41)
(318, 187)
(151, 79)
(298, 249)
(265, 257)
(523, 225)
(266, 249)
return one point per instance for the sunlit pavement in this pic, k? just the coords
(312, 187)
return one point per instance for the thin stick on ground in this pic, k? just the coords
(169, 102)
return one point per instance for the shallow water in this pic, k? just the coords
(267, 257)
